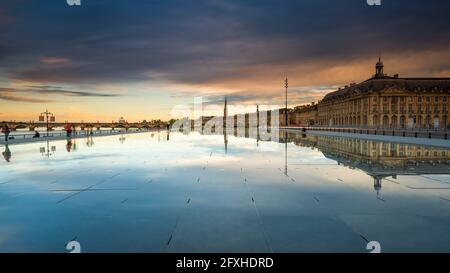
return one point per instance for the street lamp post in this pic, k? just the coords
(47, 115)
(286, 85)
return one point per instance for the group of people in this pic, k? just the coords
(6, 131)
(68, 128)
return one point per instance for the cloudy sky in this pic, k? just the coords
(111, 58)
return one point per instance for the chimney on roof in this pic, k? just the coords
(396, 76)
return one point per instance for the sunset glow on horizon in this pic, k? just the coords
(114, 59)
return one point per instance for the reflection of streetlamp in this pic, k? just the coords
(47, 152)
(285, 154)
(286, 85)
(44, 117)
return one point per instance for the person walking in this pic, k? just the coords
(6, 131)
(68, 129)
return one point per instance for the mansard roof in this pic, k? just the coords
(380, 83)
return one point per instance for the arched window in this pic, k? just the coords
(402, 122)
(375, 121)
(394, 121)
(385, 121)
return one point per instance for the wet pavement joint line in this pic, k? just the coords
(434, 179)
(9, 181)
(258, 215)
(107, 189)
(364, 238)
(76, 193)
(416, 188)
(73, 239)
(170, 239)
(392, 181)
(117, 174)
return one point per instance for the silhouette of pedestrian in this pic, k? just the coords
(7, 154)
(6, 131)
(69, 145)
(68, 129)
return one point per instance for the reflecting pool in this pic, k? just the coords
(160, 192)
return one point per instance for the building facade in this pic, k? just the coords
(305, 115)
(388, 102)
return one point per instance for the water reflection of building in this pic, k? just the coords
(378, 159)
(380, 156)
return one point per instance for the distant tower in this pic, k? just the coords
(257, 116)
(379, 67)
(286, 119)
(225, 136)
(225, 110)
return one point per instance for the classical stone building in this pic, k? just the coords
(388, 102)
(305, 115)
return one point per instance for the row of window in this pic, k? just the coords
(394, 99)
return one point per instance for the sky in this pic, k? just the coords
(108, 59)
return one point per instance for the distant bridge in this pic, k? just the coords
(13, 125)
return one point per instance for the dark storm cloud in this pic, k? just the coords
(11, 94)
(55, 90)
(29, 94)
(201, 41)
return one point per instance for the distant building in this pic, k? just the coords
(122, 120)
(305, 115)
(388, 102)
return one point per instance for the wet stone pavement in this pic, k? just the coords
(199, 193)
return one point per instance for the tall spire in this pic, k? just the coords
(257, 116)
(225, 115)
(225, 110)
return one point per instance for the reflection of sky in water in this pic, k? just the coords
(153, 195)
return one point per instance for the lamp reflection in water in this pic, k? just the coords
(47, 151)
